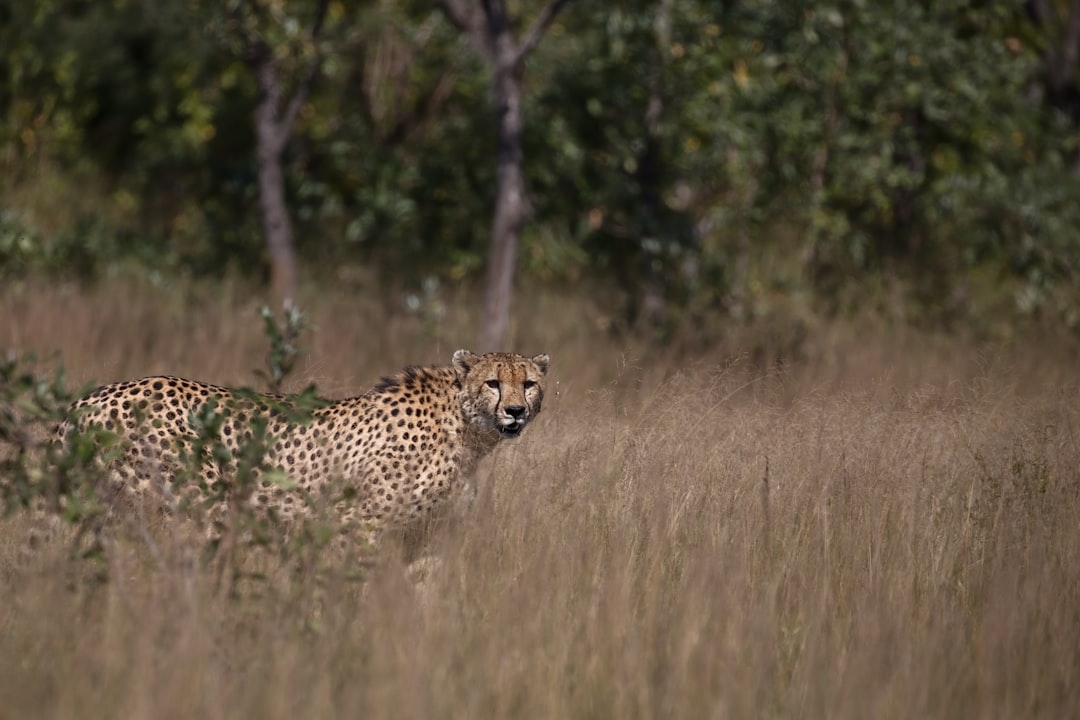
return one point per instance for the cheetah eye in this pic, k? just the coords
(530, 384)
(493, 384)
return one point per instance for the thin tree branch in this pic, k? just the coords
(414, 120)
(539, 27)
(1070, 51)
(1061, 55)
(249, 37)
(494, 11)
(288, 118)
(1042, 10)
(457, 13)
(499, 37)
(463, 15)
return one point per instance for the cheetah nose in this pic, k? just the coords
(515, 411)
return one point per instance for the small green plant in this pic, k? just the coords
(284, 343)
(44, 466)
(223, 503)
(31, 407)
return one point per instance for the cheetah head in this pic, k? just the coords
(500, 391)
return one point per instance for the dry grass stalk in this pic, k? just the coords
(666, 541)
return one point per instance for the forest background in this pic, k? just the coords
(685, 165)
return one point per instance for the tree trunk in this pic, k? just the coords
(274, 124)
(488, 27)
(652, 305)
(511, 205)
(1062, 56)
(270, 147)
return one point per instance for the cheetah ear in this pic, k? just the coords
(463, 362)
(542, 361)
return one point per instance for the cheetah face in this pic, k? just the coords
(501, 391)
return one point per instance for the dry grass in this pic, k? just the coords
(886, 528)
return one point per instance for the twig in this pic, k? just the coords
(539, 27)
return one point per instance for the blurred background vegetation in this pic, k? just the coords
(689, 164)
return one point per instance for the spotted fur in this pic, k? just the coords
(393, 455)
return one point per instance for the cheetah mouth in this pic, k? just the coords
(512, 429)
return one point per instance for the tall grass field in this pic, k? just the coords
(883, 524)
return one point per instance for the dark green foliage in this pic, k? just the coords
(694, 160)
(32, 465)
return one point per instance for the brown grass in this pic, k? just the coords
(884, 527)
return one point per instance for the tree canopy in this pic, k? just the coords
(690, 160)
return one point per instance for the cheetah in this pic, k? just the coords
(390, 457)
